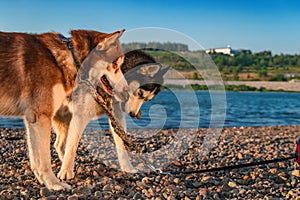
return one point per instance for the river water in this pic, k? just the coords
(189, 109)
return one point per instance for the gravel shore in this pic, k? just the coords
(96, 180)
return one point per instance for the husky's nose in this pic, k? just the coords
(132, 114)
(125, 89)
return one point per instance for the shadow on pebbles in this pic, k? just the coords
(97, 178)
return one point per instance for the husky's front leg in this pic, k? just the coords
(61, 122)
(76, 128)
(38, 130)
(122, 154)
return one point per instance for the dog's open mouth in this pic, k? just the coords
(107, 85)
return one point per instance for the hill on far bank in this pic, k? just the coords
(243, 66)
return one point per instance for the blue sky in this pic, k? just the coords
(254, 24)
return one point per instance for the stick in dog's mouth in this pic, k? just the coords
(107, 85)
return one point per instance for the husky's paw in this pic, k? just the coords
(65, 174)
(130, 170)
(59, 186)
(51, 182)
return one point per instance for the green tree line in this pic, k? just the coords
(264, 64)
(166, 46)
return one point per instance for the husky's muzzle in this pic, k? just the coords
(131, 114)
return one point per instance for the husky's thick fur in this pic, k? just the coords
(144, 77)
(38, 72)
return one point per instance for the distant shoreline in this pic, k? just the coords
(235, 85)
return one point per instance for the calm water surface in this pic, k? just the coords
(188, 109)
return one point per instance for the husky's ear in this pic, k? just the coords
(116, 64)
(109, 40)
(163, 70)
(150, 69)
(119, 61)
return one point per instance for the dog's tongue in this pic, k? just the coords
(138, 115)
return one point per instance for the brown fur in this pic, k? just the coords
(24, 61)
(31, 67)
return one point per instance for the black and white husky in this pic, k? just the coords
(144, 77)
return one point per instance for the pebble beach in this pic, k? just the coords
(96, 180)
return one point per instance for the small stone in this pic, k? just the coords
(240, 156)
(296, 173)
(196, 184)
(95, 174)
(18, 151)
(291, 192)
(283, 176)
(273, 170)
(144, 191)
(105, 179)
(79, 170)
(232, 184)
(253, 175)
(293, 182)
(165, 195)
(107, 188)
(24, 192)
(206, 178)
(137, 196)
(60, 197)
(27, 182)
(145, 180)
(157, 190)
(28, 172)
(73, 197)
(98, 194)
(117, 187)
(151, 192)
(226, 187)
(177, 163)
(203, 191)
(280, 179)
(45, 192)
(281, 164)
(216, 196)
(242, 191)
(84, 190)
(176, 180)
(245, 178)
(166, 183)
(51, 197)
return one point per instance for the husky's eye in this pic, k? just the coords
(141, 94)
(115, 64)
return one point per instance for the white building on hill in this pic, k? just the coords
(224, 50)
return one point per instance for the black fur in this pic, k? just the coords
(136, 59)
